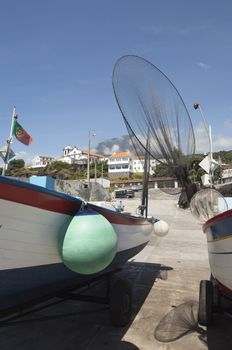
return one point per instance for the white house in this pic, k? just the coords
(227, 175)
(138, 165)
(120, 164)
(73, 155)
(124, 164)
(41, 161)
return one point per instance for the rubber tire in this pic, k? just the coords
(120, 303)
(205, 312)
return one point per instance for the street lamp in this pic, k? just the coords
(89, 140)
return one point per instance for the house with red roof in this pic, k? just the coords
(124, 164)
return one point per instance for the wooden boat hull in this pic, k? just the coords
(33, 220)
(219, 239)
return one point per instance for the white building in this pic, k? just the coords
(73, 155)
(138, 165)
(227, 175)
(120, 164)
(41, 161)
(125, 164)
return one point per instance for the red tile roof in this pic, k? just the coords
(121, 155)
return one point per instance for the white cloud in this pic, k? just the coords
(202, 139)
(219, 141)
(27, 157)
(203, 65)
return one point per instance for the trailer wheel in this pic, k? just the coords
(205, 312)
(120, 303)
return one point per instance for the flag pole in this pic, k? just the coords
(9, 141)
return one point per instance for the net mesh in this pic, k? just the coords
(207, 203)
(152, 107)
(178, 322)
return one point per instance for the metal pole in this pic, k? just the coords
(102, 174)
(88, 177)
(9, 141)
(95, 170)
(208, 130)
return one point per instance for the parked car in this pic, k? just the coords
(136, 188)
(124, 193)
(130, 194)
(120, 193)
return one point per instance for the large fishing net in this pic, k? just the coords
(207, 203)
(154, 114)
(180, 321)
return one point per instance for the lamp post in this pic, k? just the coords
(209, 134)
(88, 159)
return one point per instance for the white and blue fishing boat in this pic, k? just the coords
(215, 294)
(218, 232)
(49, 239)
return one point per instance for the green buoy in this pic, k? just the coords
(89, 244)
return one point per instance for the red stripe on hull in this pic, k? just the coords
(216, 219)
(119, 218)
(38, 199)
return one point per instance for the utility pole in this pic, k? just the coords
(88, 158)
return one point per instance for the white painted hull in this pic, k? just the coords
(29, 236)
(33, 224)
(219, 239)
(130, 236)
(221, 264)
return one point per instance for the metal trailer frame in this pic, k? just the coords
(118, 296)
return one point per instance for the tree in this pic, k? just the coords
(162, 170)
(58, 165)
(16, 164)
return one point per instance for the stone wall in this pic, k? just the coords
(79, 188)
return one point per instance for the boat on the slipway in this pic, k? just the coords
(218, 232)
(48, 239)
(215, 294)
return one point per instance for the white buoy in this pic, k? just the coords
(161, 228)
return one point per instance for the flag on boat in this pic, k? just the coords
(21, 134)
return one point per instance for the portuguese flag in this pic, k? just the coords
(21, 134)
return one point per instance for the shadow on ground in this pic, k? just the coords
(183, 320)
(77, 325)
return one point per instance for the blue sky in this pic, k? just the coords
(57, 58)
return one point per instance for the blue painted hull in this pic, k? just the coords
(219, 239)
(27, 286)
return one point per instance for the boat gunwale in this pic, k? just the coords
(37, 188)
(216, 219)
